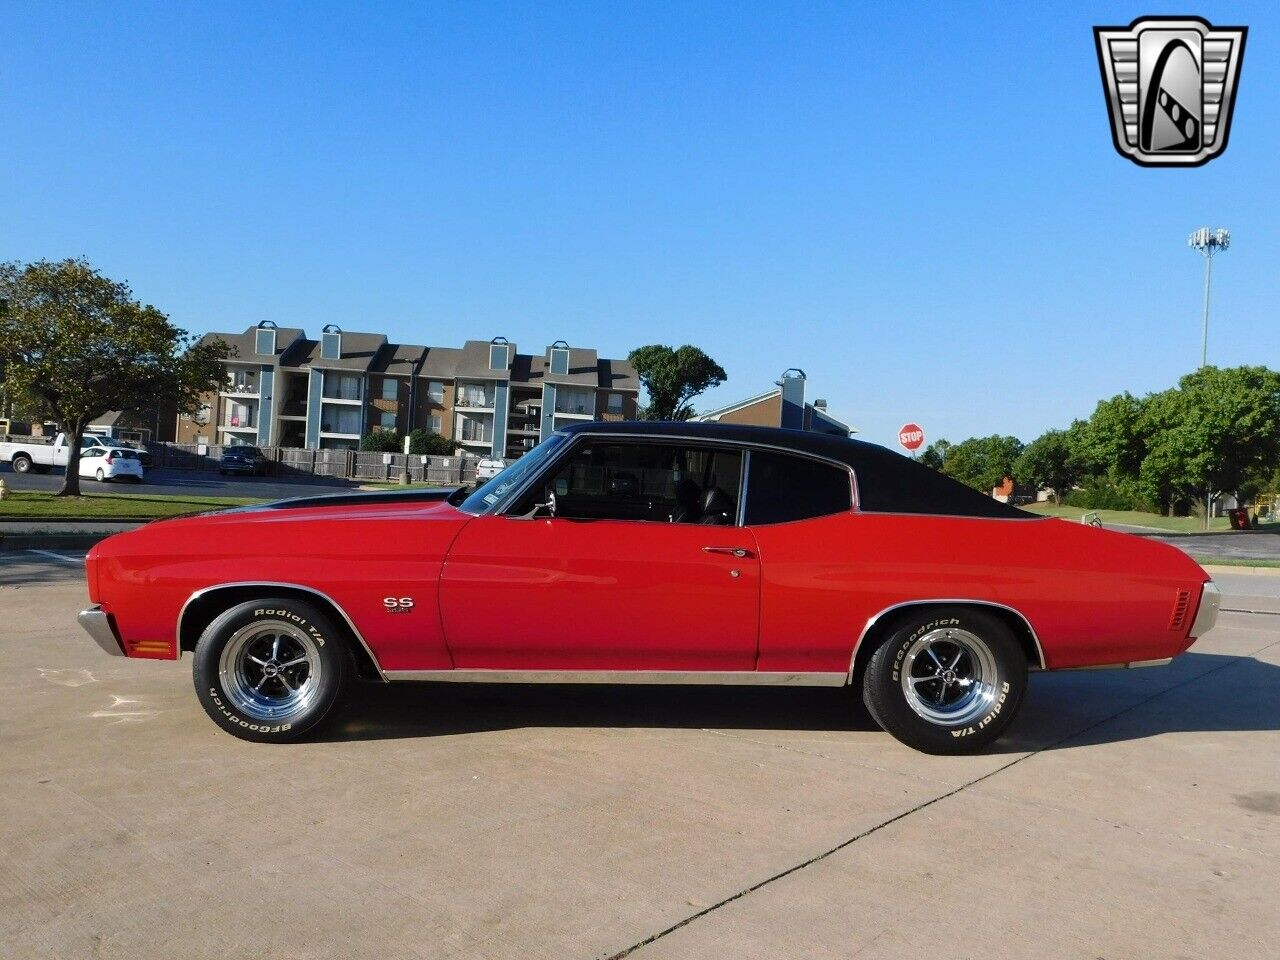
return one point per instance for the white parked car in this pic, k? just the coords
(489, 468)
(111, 463)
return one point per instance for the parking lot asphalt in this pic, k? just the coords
(1128, 814)
(179, 482)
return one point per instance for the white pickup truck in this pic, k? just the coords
(41, 455)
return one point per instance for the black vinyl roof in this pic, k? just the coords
(887, 481)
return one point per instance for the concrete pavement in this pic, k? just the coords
(1128, 814)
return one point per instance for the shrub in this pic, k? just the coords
(425, 443)
(381, 441)
(1107, 493)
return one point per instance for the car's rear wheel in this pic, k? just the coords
(22, 463)
(947, 680)
(270, 670)
(101, 476)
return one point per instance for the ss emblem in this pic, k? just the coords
(398, 604)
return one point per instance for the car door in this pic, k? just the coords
(640, 565)
(90, 461)
(818, 571)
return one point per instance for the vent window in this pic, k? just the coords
(497, 356)
(264, 341)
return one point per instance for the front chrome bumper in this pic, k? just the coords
(97, 624)
(1207, 614)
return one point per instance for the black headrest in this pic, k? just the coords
(716, 506)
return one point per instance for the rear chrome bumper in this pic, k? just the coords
(1207, 614)
(97, 624)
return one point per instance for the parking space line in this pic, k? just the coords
(57, 556)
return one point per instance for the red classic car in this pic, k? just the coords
(650, 553)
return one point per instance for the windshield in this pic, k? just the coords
(487, 496)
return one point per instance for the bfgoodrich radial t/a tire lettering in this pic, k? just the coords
(270, 670)
(947, 680)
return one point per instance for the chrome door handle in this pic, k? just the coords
(738, 552)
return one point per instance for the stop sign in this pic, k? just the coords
(911, 436)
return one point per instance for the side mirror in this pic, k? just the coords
(547, 509)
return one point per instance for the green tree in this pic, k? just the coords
(673, 377)
(1114, 439)
(1213, 434)
(983, 462)
(425, 443)
(1049, 461)
(935, 455)
(75, 345)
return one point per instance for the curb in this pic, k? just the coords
(1216, 569)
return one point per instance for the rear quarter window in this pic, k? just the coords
(783, 488)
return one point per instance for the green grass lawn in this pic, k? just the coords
(1134, 518)
(1236, 562)
(141, 506)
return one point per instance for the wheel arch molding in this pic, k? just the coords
(880, 625)
(202, 606)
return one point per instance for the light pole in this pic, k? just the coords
(1207, 242)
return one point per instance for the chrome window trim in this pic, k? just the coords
(177, 640)
(741, 519)
(745, 446)
(704, 677)
(934, 601)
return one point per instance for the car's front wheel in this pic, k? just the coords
(946, 681)
(270, 670)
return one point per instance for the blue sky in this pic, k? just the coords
(919, 206)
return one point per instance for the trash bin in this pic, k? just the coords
(1239, 518)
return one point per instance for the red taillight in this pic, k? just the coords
(110, 458)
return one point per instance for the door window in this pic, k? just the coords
(656, 482)
(783, 488)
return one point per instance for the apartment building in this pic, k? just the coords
(285, 389)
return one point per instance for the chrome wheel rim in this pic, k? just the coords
(270, 670)
(949, 676)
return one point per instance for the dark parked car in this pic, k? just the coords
(144, 456)
(243, 459)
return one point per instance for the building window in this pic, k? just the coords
(390, 389)
(341, 386)
(615, 403)
(388, 420)
(264, 341)
(574, 400)
(335, 418)
(474, 395)
(239, 415)
(242, 381)
(435, 391)
(331, 345)
(433, 423)
(475, 430)
(497, 356)
(559, 360)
